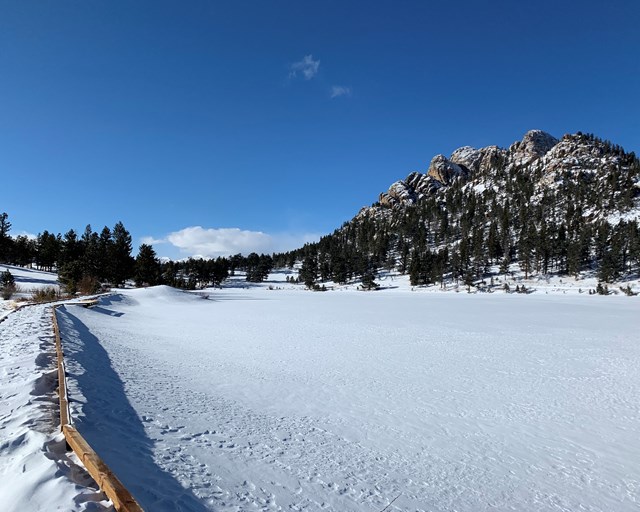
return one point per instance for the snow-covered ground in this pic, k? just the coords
(282, 399)
(27, 280)
(36, 471)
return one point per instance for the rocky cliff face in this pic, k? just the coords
(445, 171)
(534, 145)
(488, 166)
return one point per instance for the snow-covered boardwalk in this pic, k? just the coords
(288, 400)
(36, 471)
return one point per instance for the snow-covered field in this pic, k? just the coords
(258, 399)
(538, 284)
(29, 279)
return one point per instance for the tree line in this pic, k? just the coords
(88, 261)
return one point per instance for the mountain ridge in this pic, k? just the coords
(565, 206)
(468, 162)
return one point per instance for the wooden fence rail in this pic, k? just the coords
(122, 499)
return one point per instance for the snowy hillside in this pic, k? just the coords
(27, 282)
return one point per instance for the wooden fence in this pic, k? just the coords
(122, 499)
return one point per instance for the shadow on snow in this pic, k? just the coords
(111, 425)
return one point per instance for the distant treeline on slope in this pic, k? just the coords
(567, 206)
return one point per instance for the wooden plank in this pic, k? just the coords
(62, 377)
(122, 499)
(84, 303)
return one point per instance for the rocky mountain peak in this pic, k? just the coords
(467, 157)
(485, 167)
(399, 193)
(444, 170)
(477, 160)
(535, 144)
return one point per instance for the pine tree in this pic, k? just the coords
(339, 271)
(265, 265)
(121, 262)
(309, 270)
(24, 251)
(480, 262)
(525, 251)
(560, 246)
(543, 247)
(47, 250)
(91, 253)
(494, 248)
(6, 278)
(7, 285)
(415, 269)
(368, 281)
(252, 273)
(70, 269)
(70, 275)
(469, 278)
(147, 267)
(5, 239)
(105, 250)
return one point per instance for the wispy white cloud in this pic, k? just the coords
(307, 67)
(202, 242)
(340, 90)
(216, 242)
(149, 240)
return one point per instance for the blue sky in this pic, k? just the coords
(214, 127)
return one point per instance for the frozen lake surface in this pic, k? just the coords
(257, 399)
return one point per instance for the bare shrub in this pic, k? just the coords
(88, 285)
(46, 294)
(8, 290)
